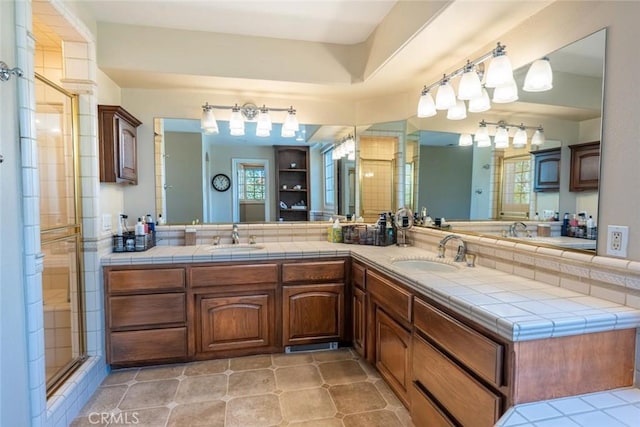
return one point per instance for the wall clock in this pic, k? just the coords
(221, 182)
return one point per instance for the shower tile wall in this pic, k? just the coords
(376, 154)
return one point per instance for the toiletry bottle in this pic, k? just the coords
(140, 228)
(145, 225)
(564, 228)
(590, 231)
(119, 245)
(536, 217)
(150, 224)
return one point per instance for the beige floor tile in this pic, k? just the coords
(206, 367)
(160, 372)
(150, 417)
(304, 405)
(382, 418)
(149, 394)
(201, 388)
(247, 383)
(332, 355)
(387, 394)
(120, 376)
(253, 411)
(327, 422)
(298, 377)
(251, 362)
(105, 399)
(342, 372)
(210, 414)
(357, 397)
(291, 359)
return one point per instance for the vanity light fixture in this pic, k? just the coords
(465, 140)
(498, 76)
(458, 111)
(501, 138)
(346, 147)
(248, 112)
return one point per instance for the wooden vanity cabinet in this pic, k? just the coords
(389, 312)
(585, 166)
(117, 141)
(146, 320)
(234, 309)
(313, 308)
(358, 308)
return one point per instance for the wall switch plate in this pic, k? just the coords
(106, 222)
(617, 240)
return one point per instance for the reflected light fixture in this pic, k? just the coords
(249, 112)
(482, 137)
(465, 140)
(458, 111)
(345, 147)
(501, 138)
(539, 78)
(498, 76)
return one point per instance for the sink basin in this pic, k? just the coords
(240, 247)
(425, 265)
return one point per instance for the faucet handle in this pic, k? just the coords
(252, 239)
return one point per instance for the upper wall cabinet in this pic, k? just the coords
(585, 166)
(117, 136)
(546, 170)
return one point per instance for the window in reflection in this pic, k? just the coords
(329, 178)
(516, 188)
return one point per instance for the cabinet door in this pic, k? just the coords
(393, 354)
(358, 308)
(127, 161)
(312, 313)
(546, 170)
(585, 166)
(153, 345)
(235, 322)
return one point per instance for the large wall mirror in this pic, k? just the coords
(470, 183)
(187, 161)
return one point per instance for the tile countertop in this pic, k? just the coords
(514, 307)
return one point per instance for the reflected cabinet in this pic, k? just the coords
(585, 166)
(292, 183)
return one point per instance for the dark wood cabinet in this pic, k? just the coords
(292, 183)
(359, 320)
(585, 166)
(117, 140)
(546, 170)
(146, 318)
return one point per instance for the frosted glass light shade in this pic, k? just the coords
(481, 103)
(236, 123)
(263, 126)
(538, 137)
(499, 72)
(458, 111)
(426, 106)
(445, 97)
(520, 138)
(539, 78)
(208, 122)
(506, 93)
(291, 121)
(470, 86)
(465, 140)
(482, 137)
(501, 140)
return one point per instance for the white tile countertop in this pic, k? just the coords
(514, 307)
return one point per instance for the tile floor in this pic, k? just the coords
(327, 389)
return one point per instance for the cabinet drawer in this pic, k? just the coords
(468, 401)
(390, 296)
(233, 275)
(146, 310)
(424, 412)
(471, 348)
(357, 275)
(141, 346)
(145, 280)
(325, 271)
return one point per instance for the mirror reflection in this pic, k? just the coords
(193, 169)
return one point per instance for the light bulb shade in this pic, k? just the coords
(208, 122)
(482, 136)
(505, 94)
(538, 137)
(470, 86)
(236, 131)
(445, 96)
(458, 111)
(291, 121)
(263, 126)
(539, 77)
(426, 106)
(520, 138)
(263, 132)
(481, 103)
(465, 140)
(501, 140)
(499, 72)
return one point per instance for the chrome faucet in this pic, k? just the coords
(462, 247)
(513, 228)
(235, 237)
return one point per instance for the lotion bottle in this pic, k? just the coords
(139, 228)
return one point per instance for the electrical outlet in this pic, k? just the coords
(106, 222)
(617, 240)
